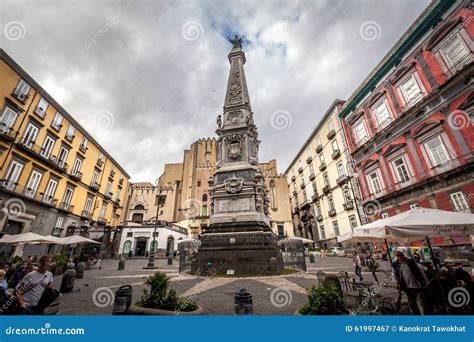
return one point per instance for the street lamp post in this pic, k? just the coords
(151, 259)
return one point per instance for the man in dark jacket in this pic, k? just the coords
(413, 281)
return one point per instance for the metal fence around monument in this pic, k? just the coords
(187, 254)
(293, 253)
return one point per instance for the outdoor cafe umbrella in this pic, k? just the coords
(296, 238)
(77, 239)
(26, 238)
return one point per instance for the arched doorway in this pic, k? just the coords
(170, 246)
(127, 247)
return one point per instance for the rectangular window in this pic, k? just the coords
(360, 131)
(311, 168)
(334, 146)
(59, 222)
(318, 209)
(318, 141)
(353, 221)
(410, 90)
(375, 184)
(459, 201)
(326, 179)
(347, 195)
(437, 151)
(330, 126)
(33, 183)
(321, 158)
(281, 230)
(401, 170)
(308, 153)
(50, 191)
(315, 189)
(204, 210)
(108, 187)
(455, 51)
(103, 210)
(7, 120)
(67, 197)
(100, 160)
(95, 178)
(76, 167)
(13, 174)
(323, 233)
(47, 147)
(57, 121)
(62, 156)
(22, 90)
(382, 113)
(30, 135)
(88, 206)
(385, 215)
(117, 194)
(84, 143)
(331, 203)
(340, 169)
(335, 226)
(42, 107)
(70, 132)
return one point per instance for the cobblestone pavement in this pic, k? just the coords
(93, 295)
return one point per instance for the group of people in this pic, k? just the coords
(23, 289)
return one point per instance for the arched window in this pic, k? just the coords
(127, 247)
(139, 207)
(204, 198)
(137, 217)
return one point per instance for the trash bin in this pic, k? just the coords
(121, 264)
(363, 261)
(170, 261)
(80, 270)
(123, 300)
(67, 283)
(311, 258)
(243, 303)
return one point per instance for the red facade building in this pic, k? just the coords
(409, 125)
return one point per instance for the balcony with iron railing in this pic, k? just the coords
(332, 212)
(112, 173)
(342, 179)
(348, 205)
(319, 217)
(27, 192)
(300, 169)
(94, 186)
(293, 179)
(326, 189)
(309, 159)
(319, 148)
(335, 154)
(44, 155)
(322, 166)
(315, 197)
(412, 181)
(86, 214)
(7, 132)
(77, 175)
(66, 206)
(312, 176)
(331, 134)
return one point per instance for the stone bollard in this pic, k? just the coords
(67, 283)
(80, 270)
(311, 258)
(121, 264)
(170, 261)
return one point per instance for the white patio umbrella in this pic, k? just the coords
(76, 239)
(295, 238)
(26, 238)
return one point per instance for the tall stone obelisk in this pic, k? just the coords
(239, 240)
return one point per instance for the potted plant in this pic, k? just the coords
(325, 299)
(161, 299)
(59, 264)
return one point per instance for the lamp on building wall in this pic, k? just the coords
(153, 245)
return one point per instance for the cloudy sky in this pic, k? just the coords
(147, 78)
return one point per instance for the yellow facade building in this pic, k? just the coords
(54, 177)
(323, 190)
(186, 202)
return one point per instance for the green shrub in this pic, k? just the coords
(161, 296)
(325, 299)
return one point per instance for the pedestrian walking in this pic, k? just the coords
(357, 265)
(373, 265)
(413, 281)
